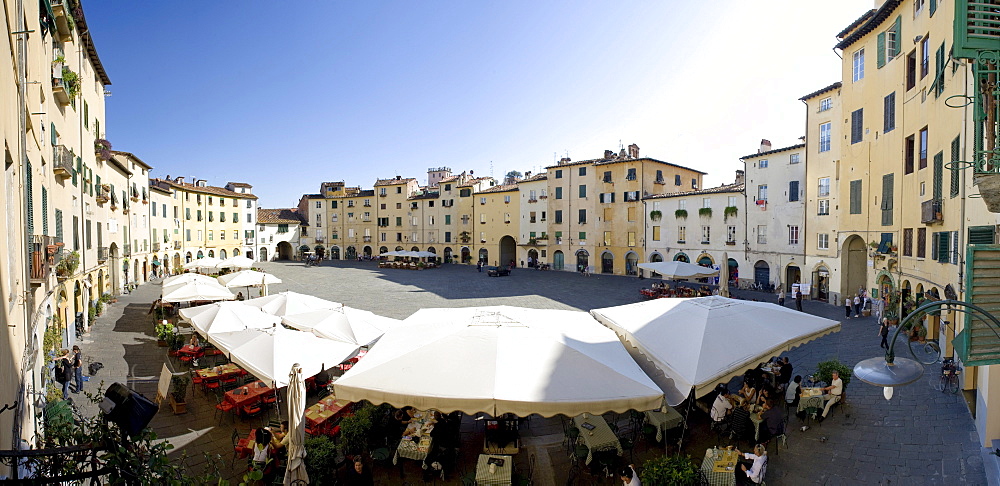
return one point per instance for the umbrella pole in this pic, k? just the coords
(687, 416)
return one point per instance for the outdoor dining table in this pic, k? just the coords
(663, 420)
(223, 371)
(812, 398)
(247, 395)
(318, 415)
(596, 435)
(719, 467)
(418, 443)
(190, 350)
(500, 476)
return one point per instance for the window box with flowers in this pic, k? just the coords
(706, 212)
(655, 215)
(730, 212)
(102, 149)
(681, 213)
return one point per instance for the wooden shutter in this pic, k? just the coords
(856, 197)
(978, 343)
(887, 196)
(943, 246)
(59, 226)
(793, 190)
(889, 113)
(881, 50)
(898, 28)
(981, 235)
(933, 7)
(857, 121)
(955, 147)
(921, 242)
(938, 175)
(908, 242)
(45, 211)
(53, 135)
(939, 64)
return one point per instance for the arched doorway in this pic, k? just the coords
(335, 253)
(263, 254)
(367, 252)
(135, 269)
(434, 251)
(79, 311)
(734, 271)
(558, 260)
(100, 283)
(177, 262)
(351, 253)
(320, 251)
(284, 250)
(682, 257)
(200, 254)
(821, 283)
(905, 293)
(187, 257)
(607, 262)
(222, 254)
(508, 249)
(532, 257)
(706, 261)
(236, 253)
(382, 250)
(582, 260)
(855, 268)
(762, 273)
(447, 254)
(303, 250)
(655, 257)
(484, 256)
(792, 276)
(466, 255)
(631, 263)
(414, 248)
(249, 254)
(211, 253)
(145, 271)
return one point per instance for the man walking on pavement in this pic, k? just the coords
(798, 300)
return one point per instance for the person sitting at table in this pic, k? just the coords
(836, 390)
(279, 438)
(748, 393)
(754, 475)
(785, 374)
(773, 422)
(262, 452)
(239, 296)
(194, 342)
(629, 476)
(792, 392)
(722, 406)
(359, 475)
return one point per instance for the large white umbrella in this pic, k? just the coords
(248, 278)
(296, 466)
(236, 262)
(686, 344)
(345, 324)
(675, 270)
(196, 290)
(501, 360)
(267, 353)
(289, 303)
(206, 262)
(186, 278)
(227, 317)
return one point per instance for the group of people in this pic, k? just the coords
(796, 294)
(856, 304)
(69, 370)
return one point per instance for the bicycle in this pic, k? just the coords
(949, 376)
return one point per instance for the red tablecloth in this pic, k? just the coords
(190, 350)
(323, 414)
(253, 393)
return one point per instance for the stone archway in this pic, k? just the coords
(854, 272)
(582, 260)
(682, 257)
(211, 253)
(263, 254)
(532, 257)
(335, 253)
(508, 250)
(558, 260)
(792, 275)
(734, 272)
(631, 263)
(249, 254)
(222, 254)
(367, 252)
(762, 273)
(821, 283)
(284, 250)
(607, 262)
(447, 254)
(201, 254)
(466, 255)
(351, 253)
(320, 251)
(484, 256)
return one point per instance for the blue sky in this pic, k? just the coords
(286, 95)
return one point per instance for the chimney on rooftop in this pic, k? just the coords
(179, 179)
(740, 177)
(609, 154)
(765, 146)
(564, 160)
(399, 177)
(633, 151)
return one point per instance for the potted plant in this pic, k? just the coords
(68, 265)
(164, 332)
(681, 213)
(730, 211)
(179, 385)
(706, 212)
(655, 215)
(676, 470)
(176, 342)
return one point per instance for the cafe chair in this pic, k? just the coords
(270, 398)
(241, 446)
(525, 479)
(211, 384)
(222, 407)
(252, 409)
(195, 379)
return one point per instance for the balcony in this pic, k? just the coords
(659, 181)
(177, 245)
(156, 246)
(931, 211)
(102, 254)
(127, 250)
(320, 240)
(62, 161)
(60, 85)
(102, 194)
(61, 11)
(532, 200)
(248, 242)
(42, 257)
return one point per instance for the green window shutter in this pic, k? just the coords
(53, 134)
(59, 226)
(45, 211)
(943, 240)
(31, 200)
(981, 235)
(933, 7)
(881, 50)
(887, 196)
(898, 29)
(938, 175)
(939, 65)
(955, 147)
(856, 197)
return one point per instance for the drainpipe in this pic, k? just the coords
(23, 210)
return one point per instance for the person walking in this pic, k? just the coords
(479, 266)
(848, 304)
(883, 330)
(857, 305)
(78, 368)
(781, 297)
(879, 308)
(798, 300)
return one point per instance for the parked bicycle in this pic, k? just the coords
(949, 376)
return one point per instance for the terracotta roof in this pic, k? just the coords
(367, 193)
(238, 184)
(500, 188)
(847, 30)
(449, 179)
(736, 187)
(615, 161)
(472, 182)
(219, 191)
(832, 87)
(278, 216)
(393, 181)
(424, 195)
(793, 147)
(133, 157)
(88, 42)
(870, 24)
(537, 177)
(157, 187)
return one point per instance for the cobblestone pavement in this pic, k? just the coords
(921, 436)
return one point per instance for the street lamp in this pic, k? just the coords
(892, 371)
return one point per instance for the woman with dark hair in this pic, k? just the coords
(261, 458)
(359, 475)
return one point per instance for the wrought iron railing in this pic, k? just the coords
(62, 161)
(41, 257)
(56, 465)
(102, 254)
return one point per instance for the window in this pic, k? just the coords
(211, 235)
(887, 197)
(631, 175)
(607, 176)
(731, 202)
(582, 236)
(506, 200)
(630, 214)
(731, 234)
(681, 234)
(236, 218)
(981, 235)
(447, 219)
(583, 216)
(558, 216)
(793, 159)
(677, 180)
(761, 234)
(199, 215)
(823, 209)
(482, 200)
(631, 195)
(656, 233)
(706, 202)
(249, 218)
(911, 70)
(583, 190)
(823, 241)
(558, 193)
(249, 204)
(793, 235)
(909, 152)
(236, 233)
(793, 191)
(399, 221)
(559, 174)
(319, 204)
(659, 177)
(543, 215)
(955, 147)
(907, 241)
(925, 55)
(825, 104)
(447, 236)
(858, 65)
(762, 164)
(399, 190)
(694, 183)
(762, 192)
(681, 204)
(857, 125)
(222, 235)
(583, 171)
(824, 137)
(607, 238)
(889, 113)
(282, 228)
(923, 148)
(187, 235)
(824, 187)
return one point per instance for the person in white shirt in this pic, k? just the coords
(836, 390)
(793, 390)
(754, 475)
(629, 476)
(721, 407)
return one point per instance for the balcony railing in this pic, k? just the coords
(367, 239)
(931, 211)
(320, 240)
(102, 194)
(177, 245)
(41, 257)
(62, 161)
(102, 254)
(60, 87)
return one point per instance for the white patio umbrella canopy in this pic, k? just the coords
(500, 360)
(248, 278)
(675, 269)
(227, 317)
(698, 343)
(206, 262)
(296, 466)
(348, 325)
(269, 353)
(187, 278)
(235, 262)
(289, 303)
(196, 290)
